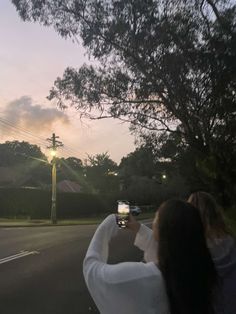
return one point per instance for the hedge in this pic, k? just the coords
(36, 204)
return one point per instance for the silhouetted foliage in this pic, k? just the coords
(101, 173)
(25, 163)
(16, 152)
(70, 168)
(36, 204)
(164, 65)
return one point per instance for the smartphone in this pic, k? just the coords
(123, 211)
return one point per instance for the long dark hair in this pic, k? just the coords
(184, 259)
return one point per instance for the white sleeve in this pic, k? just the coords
(106, 282)
(97, 253)
(145, 241)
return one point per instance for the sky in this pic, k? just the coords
(31, 58)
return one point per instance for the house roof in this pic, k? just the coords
(68, 186)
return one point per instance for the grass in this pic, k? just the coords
(42, 222)
(24, 222)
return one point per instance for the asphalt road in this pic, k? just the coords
(41, 268)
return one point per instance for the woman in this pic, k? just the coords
(182, 282)
(219, 241)
(216, 230)
(222, 247)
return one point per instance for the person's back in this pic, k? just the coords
(220, 242)
(184, 259)
(124, 288)
(223, 253)
(134, 289)
(182, 282)
(222, 246)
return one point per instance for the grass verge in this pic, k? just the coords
(5, 222)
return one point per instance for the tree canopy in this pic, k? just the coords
(101, 173)
(163, 66)
(16, 152)
(25, 164)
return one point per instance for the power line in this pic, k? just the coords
(23, 136)
(30, 136)
(10, 123)
(67, 148)
(22, 131)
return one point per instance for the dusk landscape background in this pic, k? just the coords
(31, 58)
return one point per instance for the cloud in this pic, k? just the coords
(33, 117)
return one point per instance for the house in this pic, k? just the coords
(68, 186)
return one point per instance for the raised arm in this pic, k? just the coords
(144, 239)
(97, 253)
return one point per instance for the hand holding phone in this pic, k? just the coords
(132, 224)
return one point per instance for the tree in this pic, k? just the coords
(28, 162)
(164, 65)
(74, 163)
(15, 152)
(70, 168)
(101, 173)
(141, 162)
(178, 160)
(152, 173)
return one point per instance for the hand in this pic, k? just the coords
(133, 224)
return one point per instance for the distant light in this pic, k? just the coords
(163, 176)
(112, 173)
(53, 153)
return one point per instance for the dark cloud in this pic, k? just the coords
(36, 118)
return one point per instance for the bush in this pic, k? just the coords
(33, 203)
(36, 204)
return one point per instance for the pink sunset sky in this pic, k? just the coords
(31, 58)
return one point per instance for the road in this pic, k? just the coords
(41, 268)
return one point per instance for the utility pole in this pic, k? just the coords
(54, 145)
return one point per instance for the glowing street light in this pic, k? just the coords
(53, 152)
(164, 176)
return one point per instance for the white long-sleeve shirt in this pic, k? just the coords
(124, 288)
(145, 241)
(223, 252)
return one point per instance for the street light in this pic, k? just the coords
(54, 145)
(53, 153)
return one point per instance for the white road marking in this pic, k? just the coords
(12, 228)
(19, 255)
